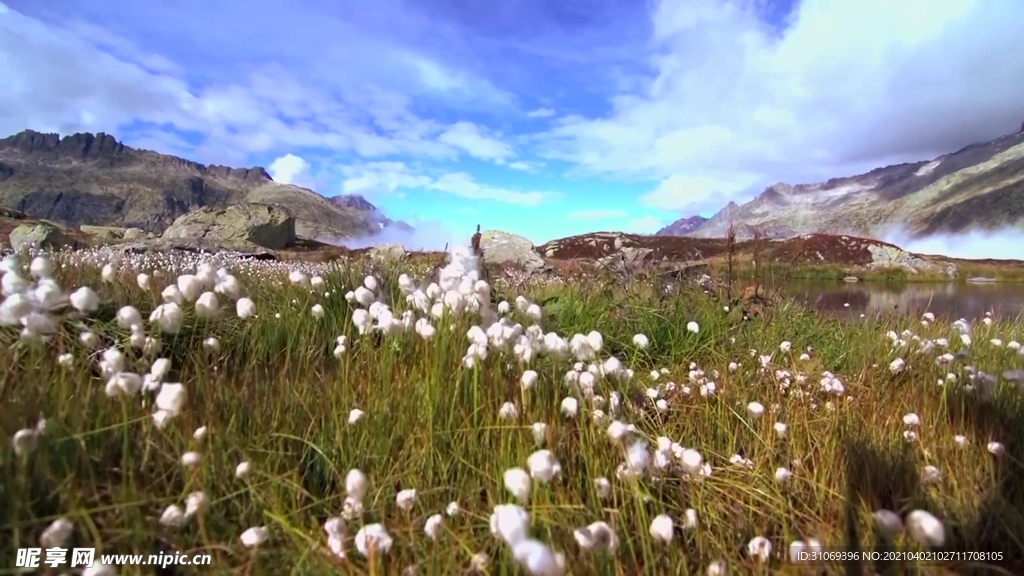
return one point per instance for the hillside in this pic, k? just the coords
(94, 179)
(980, 187)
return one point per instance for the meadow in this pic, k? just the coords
(369, 417)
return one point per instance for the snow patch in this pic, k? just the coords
(927, 168)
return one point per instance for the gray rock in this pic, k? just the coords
(388, 252)
(505, 248)
(237, 227)
(41, 235)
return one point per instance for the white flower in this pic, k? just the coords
(661, 528)
(25, 441)
(603, 487)
(690, 519)
(755, 410)
(539, 430)
(318, 311)
(517, 481)
(641, 341)
(996, 448)
(355, 415)
(406, 498)
(596, 536)
(888, 523)
(509, 522)
(782, 474)
(780, 429)
(200, 433)
(452, 509)
(925, 529)
(759, 548)
(960, 440)
(543, 465)
(195, 503)
(171, 398)
(716, 568)
(911, 419)
(529, 379)
(172, 517)
(373, 537)
(254, 536)
(245, 308)
(85, 299)
(693, 327)
(57, 534)
(537, 558)
(508, 411)
(356, 484)
(570, 407)
(432, 527)
(191, 459)
(243, 469)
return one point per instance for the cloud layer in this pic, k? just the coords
(538, 117)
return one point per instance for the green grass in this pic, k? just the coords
(274, 395)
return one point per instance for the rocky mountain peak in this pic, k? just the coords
(682, 226)
(254, 174)
(79, 146)
(355, 201)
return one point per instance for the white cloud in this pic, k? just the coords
(463, 185)
(78, 77)
(850, 85)
(523, 166)
(597, 214)
(645, 225)
(291, 169)
(474, 141)
(541, 113)
(396, 177)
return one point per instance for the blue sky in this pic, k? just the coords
(541, 118)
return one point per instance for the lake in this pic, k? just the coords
(959, 300)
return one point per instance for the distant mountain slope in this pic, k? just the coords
(682, 227)
(94, 179)
(980, 187)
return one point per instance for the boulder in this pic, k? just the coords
(198, 245)
(503, 248)
(387, 252)
(103, 234)
(237, 227)
(42, 235)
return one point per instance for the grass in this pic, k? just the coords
(274, 395)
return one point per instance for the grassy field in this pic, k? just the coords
(721, 434)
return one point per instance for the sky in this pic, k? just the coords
(541, 118)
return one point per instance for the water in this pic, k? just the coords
(970, 301)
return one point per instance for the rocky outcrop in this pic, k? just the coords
(238, 227)
(884, 256)
(503, 248)
(42, 235)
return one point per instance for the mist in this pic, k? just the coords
(425, 236)
(1004, 244)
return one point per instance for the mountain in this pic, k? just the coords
(682, 227)
(94, 179)
(980, 187)
(374, 216)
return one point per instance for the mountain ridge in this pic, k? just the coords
(978, 187)
(95, 179)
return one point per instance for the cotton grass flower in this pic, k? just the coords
(925, 529)
(543, 465)
(509, 522)
(191, 459)
(538, 559)
(57, 534)
(755, 410)
(245, 308)
(661, 528)
(693, 327)
(373, 538)
(760, 549)
(995, 448)
(641, 341)
(355, 415)
(405, 499)
(255, 536)
(172, 517)
(517, 481)
(243, 469)
(780, 430)
(432, 527)
(596, 536)
(887, 523)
